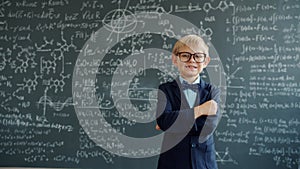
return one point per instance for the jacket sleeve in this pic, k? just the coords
(169, 119)
(211, 122)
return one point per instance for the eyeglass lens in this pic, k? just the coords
(186, 56)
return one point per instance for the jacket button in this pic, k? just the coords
(193, 145)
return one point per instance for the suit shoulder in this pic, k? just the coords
(167, 85)
(211, 87)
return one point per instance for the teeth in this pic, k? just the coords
(191, 66)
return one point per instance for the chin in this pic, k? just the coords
(192, 75)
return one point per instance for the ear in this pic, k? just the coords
(174, 59)
(206, 62)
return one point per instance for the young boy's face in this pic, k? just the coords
(190, 69)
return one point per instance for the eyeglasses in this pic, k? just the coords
(186, 56)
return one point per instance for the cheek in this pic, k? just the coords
(200, 68)
(203, 65)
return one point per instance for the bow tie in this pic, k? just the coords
(193, 87)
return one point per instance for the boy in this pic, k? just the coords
(187, 110)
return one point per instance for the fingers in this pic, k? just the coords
(157, 127)
(209, 108)
(213, 107)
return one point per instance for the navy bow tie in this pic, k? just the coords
(193, 87)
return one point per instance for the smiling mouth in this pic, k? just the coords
(191, 67)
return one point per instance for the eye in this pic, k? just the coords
(199, 55)
(185, 55)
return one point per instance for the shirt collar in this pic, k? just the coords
(195, 82)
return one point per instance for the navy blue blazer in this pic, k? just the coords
(188, 143)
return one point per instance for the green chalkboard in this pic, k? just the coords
(79, 80)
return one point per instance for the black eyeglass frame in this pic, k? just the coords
(190, 56)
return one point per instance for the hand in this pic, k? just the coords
(157, 127)
(208, 108)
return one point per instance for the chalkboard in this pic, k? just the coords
(79, 79)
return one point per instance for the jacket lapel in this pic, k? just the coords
(202, 94)
(182, 101)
